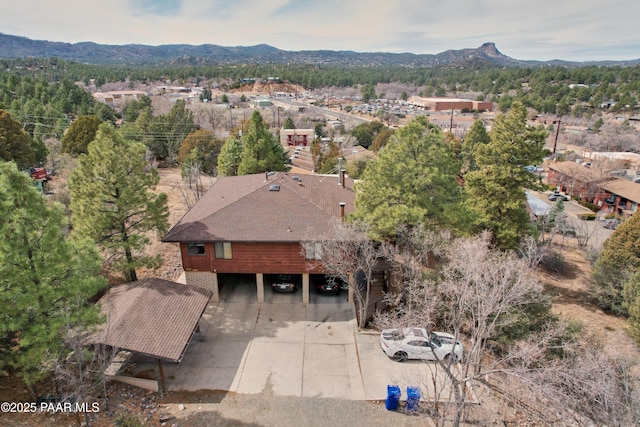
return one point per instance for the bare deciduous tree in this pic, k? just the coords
(350, 255)
(473, 292)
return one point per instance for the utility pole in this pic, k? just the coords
(555, 142)
(451, 123)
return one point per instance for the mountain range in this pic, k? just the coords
(487, 55)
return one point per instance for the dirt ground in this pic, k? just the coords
(211, 407)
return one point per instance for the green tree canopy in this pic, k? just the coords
(113, 204)
(368, 92)
(496, 189)
(229, 158)
(261, 151)
(132, 109)
(46, 278)
(413, 181)
(365, 133)
(207, 149)
(16, 144)
(288, 124)
(81, 132)
(169, 130)
(616, 264)
(381, 139)
(477, 136)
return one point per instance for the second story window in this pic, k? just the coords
(196, 249)
(223, 250)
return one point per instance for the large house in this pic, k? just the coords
(576, 179)
(619, 196)
(259, 227)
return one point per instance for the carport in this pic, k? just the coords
(236, 287)
(152, 317)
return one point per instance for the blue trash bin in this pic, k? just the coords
(393, 397)
(413, 399)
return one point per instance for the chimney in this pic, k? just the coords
(342, 178)
(342, 205)
(266, 176)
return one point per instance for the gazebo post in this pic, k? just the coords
(162, 383)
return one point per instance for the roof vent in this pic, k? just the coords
(274, 187)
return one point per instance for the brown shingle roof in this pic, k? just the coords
(153, 317)
(624, 188)
(579, 172)
(242, 208)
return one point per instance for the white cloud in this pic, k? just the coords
(545, 29)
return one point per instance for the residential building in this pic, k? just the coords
(619, 196)
(261, 226)
(296, 137)
(576, 179)
(118, 97)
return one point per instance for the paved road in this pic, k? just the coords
(321, 110)
(594, 230)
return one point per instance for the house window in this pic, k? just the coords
(312, 250)
(223, 250)
(196, 249)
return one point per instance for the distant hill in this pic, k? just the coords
(486, 55)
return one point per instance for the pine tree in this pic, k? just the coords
(477, 136)
(112, 201)
(261, 152)
(413, 182)
(617, 263)
(15, 143)
(46, 278)
(81, 132)
(288, 124)
(496, 189)
(229, 158)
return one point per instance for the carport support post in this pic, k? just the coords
(260, 286)
(215, 297)
(162, 384)
(305, 288)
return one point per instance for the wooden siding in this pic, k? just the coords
(266, 258)
(197, 262)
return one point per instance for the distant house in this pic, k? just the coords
(297, 137)
(261, 103)
(118, 97)
(448, 104)
(619, 196)
(255, 227)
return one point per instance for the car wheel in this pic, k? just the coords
(448, 359)
(400, 356)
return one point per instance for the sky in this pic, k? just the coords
(574, 30)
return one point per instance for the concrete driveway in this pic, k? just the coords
(285, 349)
(290, 349)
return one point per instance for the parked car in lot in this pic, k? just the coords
(420, 344)
(284, 283)
(610, 223)
(557, 196)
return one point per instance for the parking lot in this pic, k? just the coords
(289, 349)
